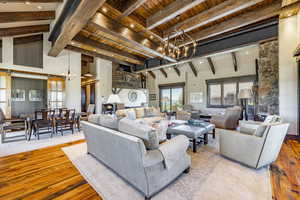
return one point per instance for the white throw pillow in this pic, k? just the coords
(130, 114)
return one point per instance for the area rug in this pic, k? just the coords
(212, 177)
(21, 145)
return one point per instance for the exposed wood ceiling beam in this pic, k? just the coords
(73, 24)
(164, 73)
(170, 12)
(132, 8)
(5, 32)
(115, 31)
(31, 1)
(242, 20)
(193, 68)
(211, 65)
(224, 9)
(28, 39)
(234, 60)
(177, 71)
(152, 74)
(8, 17)
(92, 45)
(92, 53)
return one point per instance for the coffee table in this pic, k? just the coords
(196, 134)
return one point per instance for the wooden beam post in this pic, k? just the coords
(211, 65)
(234, 60)
(132, 8)
(193, 68)
(152, 74)
(73, 24)
(8, 17)
(164, 73)
(177, 71)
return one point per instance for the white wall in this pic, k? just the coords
(224, 68)
(52, 65)
(104, 82)
(288, 70)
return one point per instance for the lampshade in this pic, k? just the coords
(114, 98)
(245, 94)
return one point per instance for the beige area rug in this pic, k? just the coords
(212, 177)
(21, 145)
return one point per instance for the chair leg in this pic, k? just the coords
(194, 145)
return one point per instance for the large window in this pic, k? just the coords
(56, 92)
(28, 51)
(171, 97)
(224, 92)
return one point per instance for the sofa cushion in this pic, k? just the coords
(142, 130)
(109, 121)
(130, 114)
(139, 112)
(247, 130)
(94, 118)
(259, 132)
(151, 112)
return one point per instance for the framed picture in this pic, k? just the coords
(35, 95)
(196, 97)
(18, 95)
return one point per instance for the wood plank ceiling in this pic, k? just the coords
(132, 31)
(22, 17)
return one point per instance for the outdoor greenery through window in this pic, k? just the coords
(171, 97)
(224, 92)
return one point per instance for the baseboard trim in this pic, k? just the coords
(293, 137)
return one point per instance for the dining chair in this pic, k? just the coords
(44, 120)
(66, 121)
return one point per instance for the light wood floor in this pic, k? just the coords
(43, 174)
(48, 174)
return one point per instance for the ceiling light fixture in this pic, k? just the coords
(27, 2)
(132, 25)
(40, 7)
(104, 9)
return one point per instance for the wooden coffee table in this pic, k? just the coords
(196, 134)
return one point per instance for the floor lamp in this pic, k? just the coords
(244, 96)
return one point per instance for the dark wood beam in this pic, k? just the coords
(132, 8)
(234, 60)
(5, 32)
(106, 50)
(177, 70)
(164, 73)
(152, 74)
(193, 68)
(31, 1)
(92, 53)
(170, 12)
(211, 65)
(28, 39)
(73, 24)
(113, 30)
(8, 17)
(239, 21)
(87, 58)
(221, 10)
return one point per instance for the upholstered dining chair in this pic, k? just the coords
(66, 122)
(43, 121)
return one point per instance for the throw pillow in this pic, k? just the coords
(139, 112)
(259, 132)
(121, 114)
(109, 121)
(94, 118)
(130, 114)
(142, 130)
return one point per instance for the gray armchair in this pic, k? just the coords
(257, 150)
(229, 120)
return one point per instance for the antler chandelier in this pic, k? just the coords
(179, 45)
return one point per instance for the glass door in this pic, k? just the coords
(56, 93)
(5, 93)
(171, 97)
(165, 100)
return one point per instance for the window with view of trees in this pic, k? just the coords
(171, 97)
(224, 92)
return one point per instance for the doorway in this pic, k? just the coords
(171, 97)
(87, 96)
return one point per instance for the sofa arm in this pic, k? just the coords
(218, 121)
(152, 157)
(173, 150)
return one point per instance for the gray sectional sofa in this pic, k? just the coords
(131, 150)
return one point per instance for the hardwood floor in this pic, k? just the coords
(285, 172)
(43, 174)
(48, 174)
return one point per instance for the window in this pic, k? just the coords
(28, 51)
(56, 93)
(171, 97)
(224, 92)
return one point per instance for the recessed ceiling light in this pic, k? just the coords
(151, 36)
(104, 9)
(27, 2)
(40, 7)
(132, 25)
